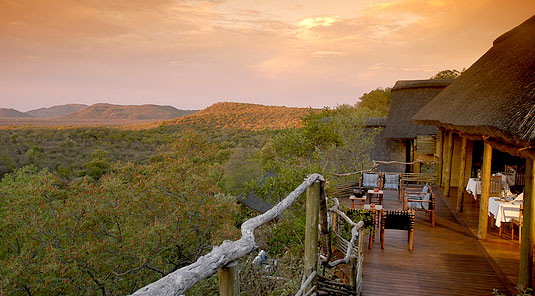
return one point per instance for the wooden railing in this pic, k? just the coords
(224, 256)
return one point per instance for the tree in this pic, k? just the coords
(111, 237)
(447, 74)
(377, 101)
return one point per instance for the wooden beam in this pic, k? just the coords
(440, 140)
(528, 234)
(485, 192)
(311, 231)
(229, 283)
(462, 170)
(447, 165)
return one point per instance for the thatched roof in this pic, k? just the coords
(496, 95)
(408, 96)
(255, 203)
(374, 122)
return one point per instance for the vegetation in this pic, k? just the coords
(448, 74)
(105, 211)
(138, 223)
(377, 101)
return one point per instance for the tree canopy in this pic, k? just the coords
(377, 101)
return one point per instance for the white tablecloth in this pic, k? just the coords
(503, 211)
(474, 187)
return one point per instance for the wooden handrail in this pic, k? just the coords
(177, 282)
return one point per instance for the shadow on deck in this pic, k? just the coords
(446, 260)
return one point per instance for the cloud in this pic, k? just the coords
(327, 53)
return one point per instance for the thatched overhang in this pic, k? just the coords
(408, 96)
(495, 98)
(376, 122)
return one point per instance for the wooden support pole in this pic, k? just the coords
(447, 165)
(462, 170)
(485, 192)
(528, 234)
(311, 230)
(440, 140)
(353, 271)
(229, 282)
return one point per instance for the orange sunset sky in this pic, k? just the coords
(191, 54)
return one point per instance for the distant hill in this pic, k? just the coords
(56, 111)
(244, 116)
(106, 112)
(12, 113)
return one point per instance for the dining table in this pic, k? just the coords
(474, 187)
(503, 210)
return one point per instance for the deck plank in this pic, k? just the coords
(446, 260)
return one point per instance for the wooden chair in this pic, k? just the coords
(423, 200)
(520, 179)
(371, 181)
(402, 220)
(496, 186)
(518, 221)
(391, 181)
(510, 169)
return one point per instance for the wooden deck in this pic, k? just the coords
(504, 253)
(446, 260)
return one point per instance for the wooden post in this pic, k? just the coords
(440, 140)
(447, 165)
(229, 282)
(353, 271)
(311, 230)
(462, 170)
(528, 234)
(485, 192)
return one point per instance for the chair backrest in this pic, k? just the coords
(403, 220)
(520, 179)
(510, 169)
(370, 180)
(495, 185)
(391, 181)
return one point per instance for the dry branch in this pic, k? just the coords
(355, 227)
(179, 281)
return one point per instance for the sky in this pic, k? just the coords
(191, 54)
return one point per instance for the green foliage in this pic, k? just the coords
(447, 74)
(376, 101)
(136, 224)
(526, 292)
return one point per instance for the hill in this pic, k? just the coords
(56, 111)
(12, 113)
(106, 112)
(244, 116)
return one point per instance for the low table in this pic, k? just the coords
(376, 194)
(357, 200)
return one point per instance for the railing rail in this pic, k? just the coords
(177, 282)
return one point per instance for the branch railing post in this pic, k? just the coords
(229, 281)
(313, 195)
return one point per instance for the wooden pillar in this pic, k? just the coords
(447, 165)
(353, 271)
(440, 140)
(528, 234)
(462, 170)
(485, 192)
(311, 230)
(229, 282)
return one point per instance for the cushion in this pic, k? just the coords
(391, 181)
(425, 188)
(370, 180)
(419, 205)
